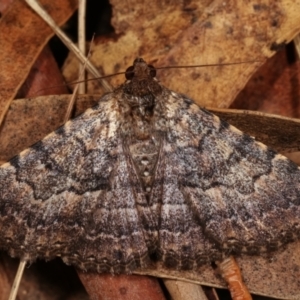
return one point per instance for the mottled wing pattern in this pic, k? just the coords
(182, 243)
(75, 194)
(147, 171)
(221, 191)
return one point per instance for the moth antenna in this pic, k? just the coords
(157, 68)
(78, 81)
(17, 280)
(209, 65)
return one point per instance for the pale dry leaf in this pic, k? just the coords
(215, 32)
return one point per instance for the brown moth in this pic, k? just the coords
(146, 175)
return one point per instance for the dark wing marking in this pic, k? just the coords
(75, 194)
(220, 189)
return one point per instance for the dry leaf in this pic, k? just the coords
(279, 133)
(44, 73)
(275, 87)
(121, 287)
(215, 32)
(41, 281)
(23, 36)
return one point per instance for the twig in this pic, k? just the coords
(17, 280)
(71, 46)
(75, 90)
(180, 290)
(297, 44)
(81, 43)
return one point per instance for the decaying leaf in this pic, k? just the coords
(23, 36)
(206, 33)
(275, 87)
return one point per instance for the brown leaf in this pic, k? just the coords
(43, 74)
(23, 36)
(275, 87)
(28, 121)
(216, 32)
(41, 281)
(121, 287)
(279, 133)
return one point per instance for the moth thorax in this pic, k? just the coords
(145, 155)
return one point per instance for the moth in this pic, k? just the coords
(147, 175)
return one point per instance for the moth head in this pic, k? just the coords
(140, 70)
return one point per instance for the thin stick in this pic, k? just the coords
(180, 290)
(75, 90)
(72, 47)
(72, 100)
(297, 44)
(17, 280)
(81, 43)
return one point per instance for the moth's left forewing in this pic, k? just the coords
(243, 196)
